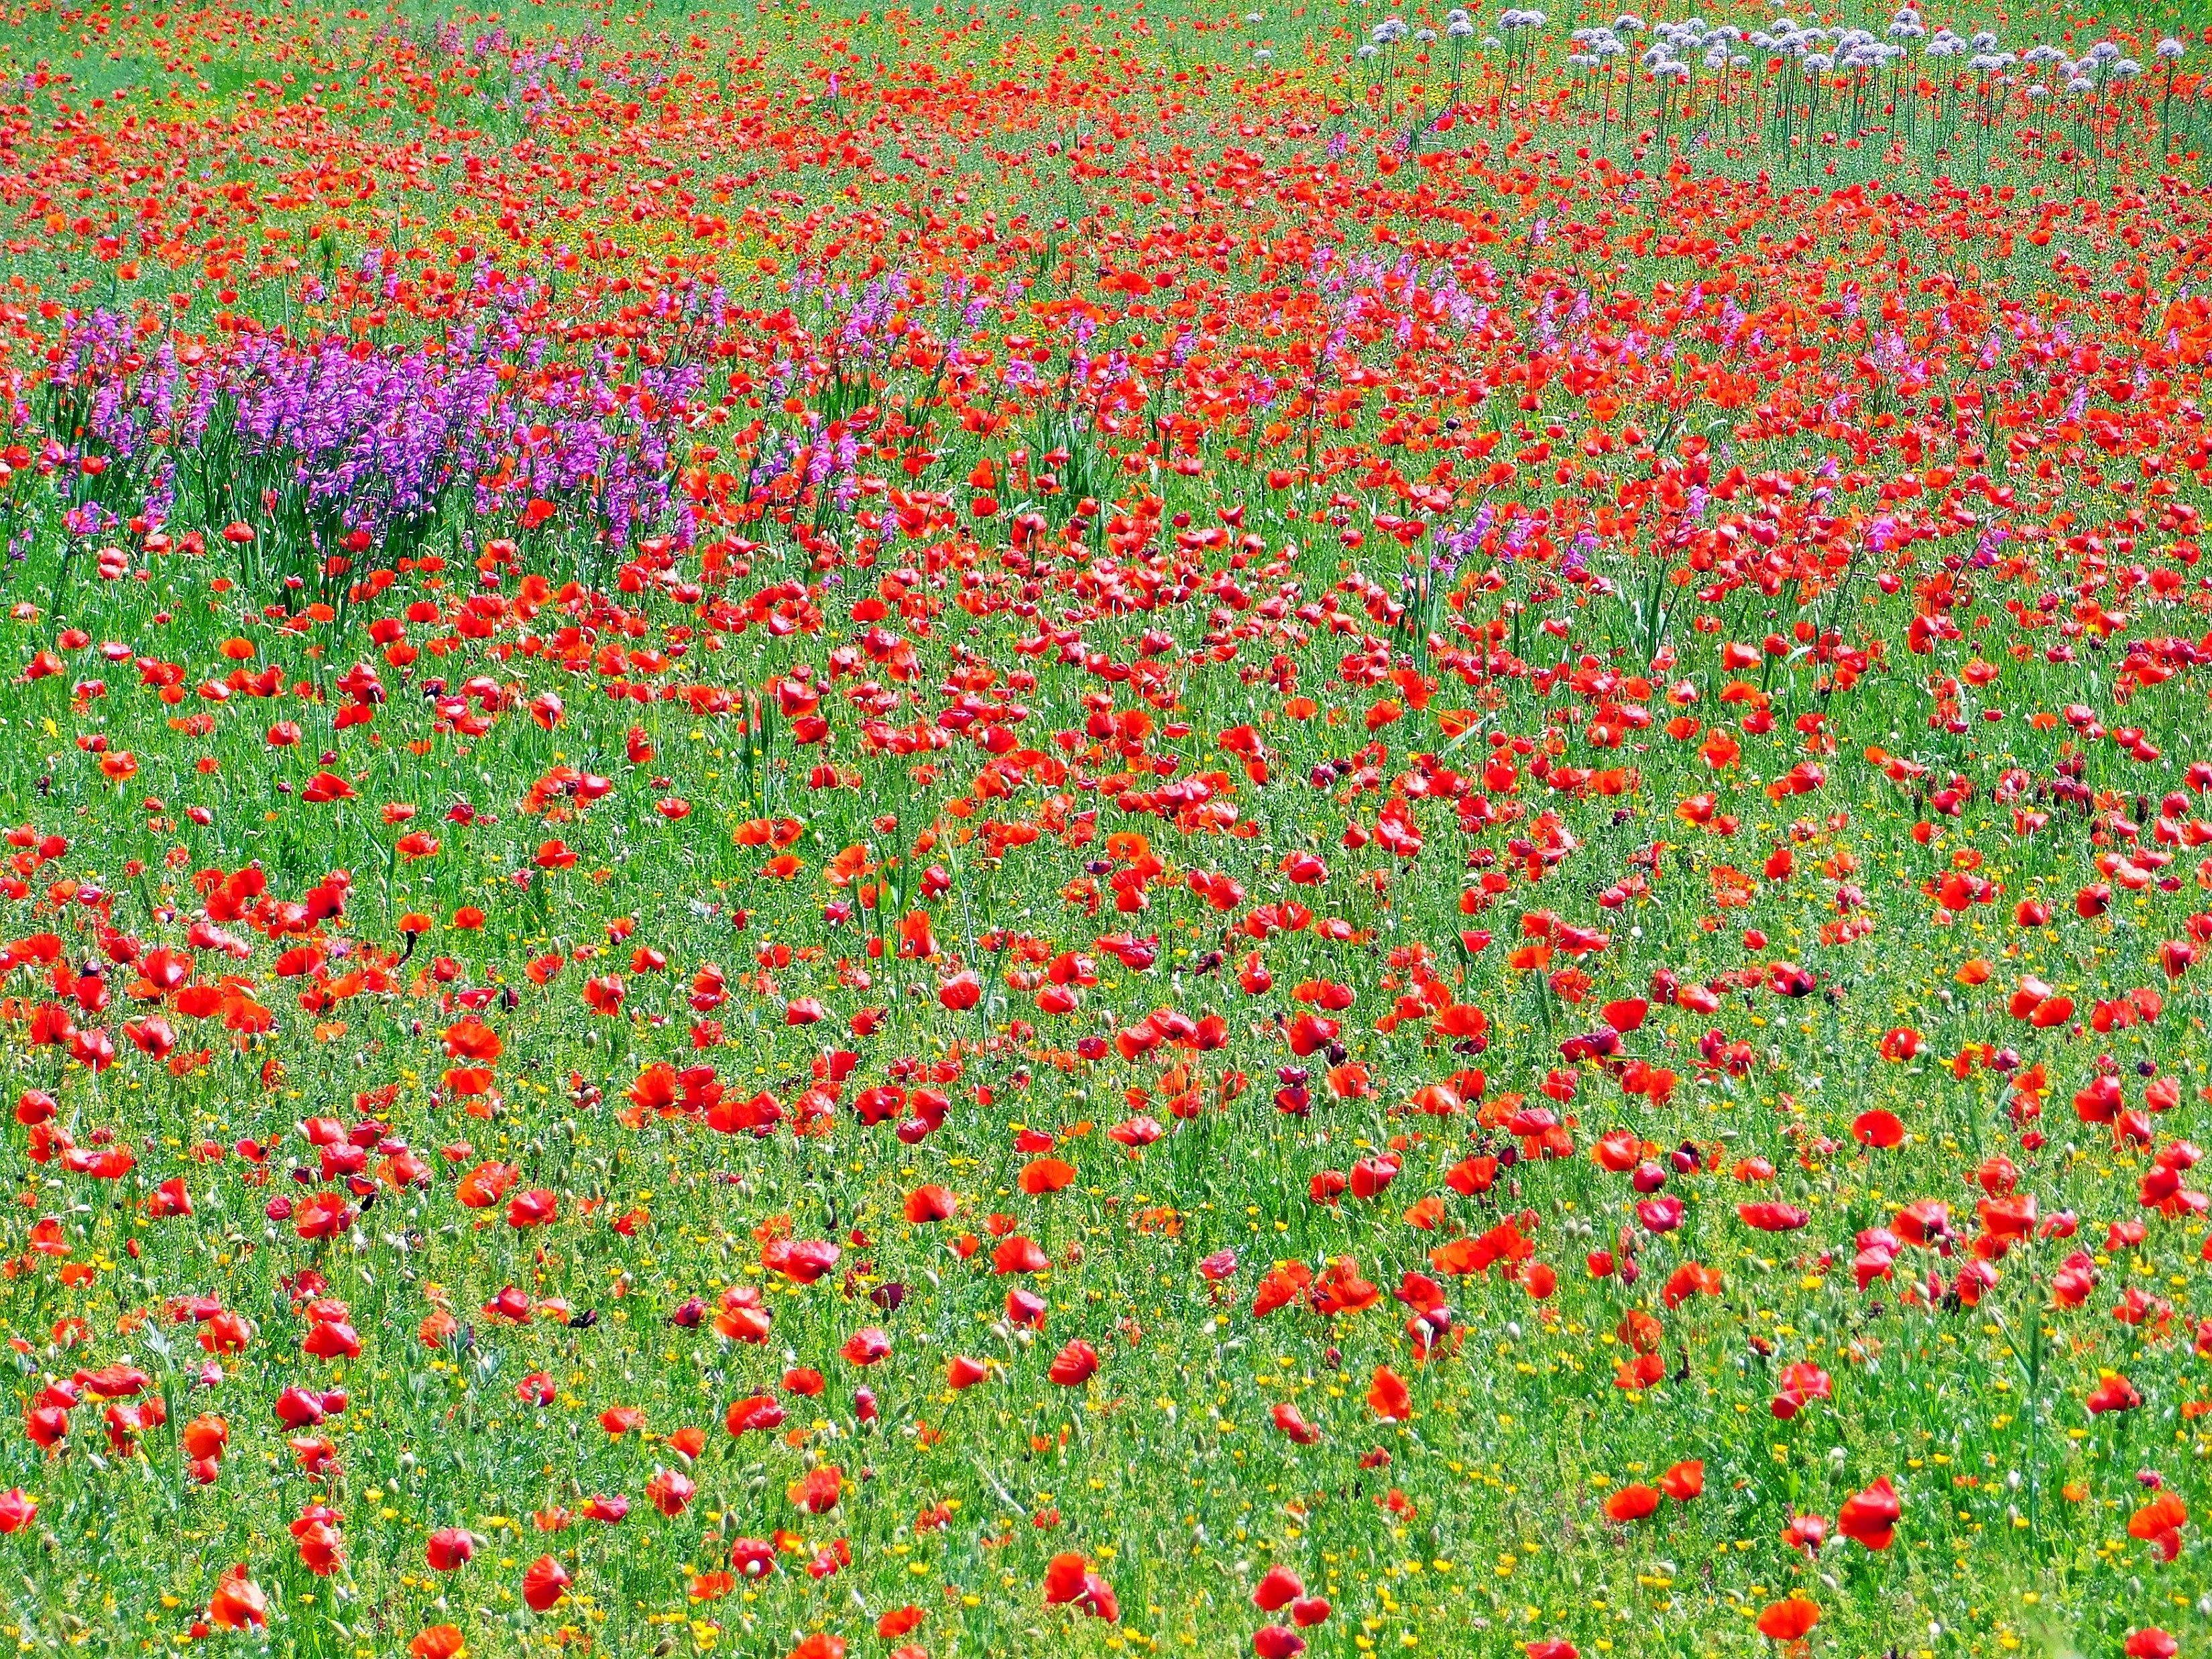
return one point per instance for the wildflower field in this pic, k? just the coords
(974, 829)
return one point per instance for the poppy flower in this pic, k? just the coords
(545, 1583)
(1800, 1383)
(1690, 1279)
(18, 1509)
(1292, 1422)
(869, 1346)
(930, 1203)
(1387, 1397)
(671, 1492)
(238, 1602)
(1046, 1175)
(1017, 1254)
(1069, 1580)
(1878, 1129)
(1632, 1504)
(756, 1412)
(1075, 1364)
(1770, 1217)
(449, 1549)
(1870, 1517)
(2112, 1393)
(1788, 1620)
(535, 1208)
(2158, 1524)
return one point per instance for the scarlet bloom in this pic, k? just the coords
(1772, 1217)
(535, 1208)
(1684, 1481)
(671, 1492)
(865, 1347)
(932, 1203)
(817, 1491)
(763, 1411)
(545, 1582)
(1800, 1383)
(2114, 1393)
(1690, 1279)
(1389, 1397)
(2158, 1524)
(1870, 1517)
(820, 1645)
(1292, 1422)
(1789, 1621)
(1878, 1129)
(438, 1642)
(1075, 1364)
(486, 1184)
(1632, 1503)
(238, 1602)
(2151, 1643)
(449, 1549)
(1046, 1175)
(1068, 1580)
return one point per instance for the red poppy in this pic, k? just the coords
(1870, 1517)
(1788, 1620)
(1069, 1580)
